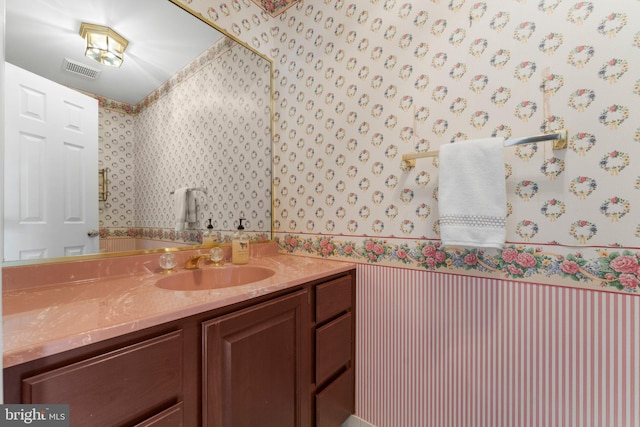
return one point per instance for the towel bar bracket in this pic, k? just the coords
(562, 142)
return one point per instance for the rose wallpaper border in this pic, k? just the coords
(189, 237)
(608, 269)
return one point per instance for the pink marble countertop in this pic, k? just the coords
(45, 320)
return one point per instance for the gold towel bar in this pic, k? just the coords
(559, 143)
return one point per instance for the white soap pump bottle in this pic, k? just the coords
(240, 246)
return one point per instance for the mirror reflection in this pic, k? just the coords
(197, 136)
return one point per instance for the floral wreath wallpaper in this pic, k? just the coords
(359, 83)
(224, 96)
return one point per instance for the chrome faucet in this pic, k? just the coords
(193, 263)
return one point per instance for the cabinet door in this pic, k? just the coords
(115, 388)
(256, 365)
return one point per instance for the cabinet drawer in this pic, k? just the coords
(117, 387)
(336, 402)
(172, 417)
(333, 347)
(333, 298)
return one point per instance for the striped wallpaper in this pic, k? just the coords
(117, 244)
(443, 350)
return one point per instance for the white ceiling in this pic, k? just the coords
(162, 37)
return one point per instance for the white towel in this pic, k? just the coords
(185, 208)
(472, 196)
(192, 210)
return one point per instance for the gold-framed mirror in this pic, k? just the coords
(138, 180)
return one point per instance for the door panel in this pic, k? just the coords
(51, 163)
(73, 193)
(31, 181)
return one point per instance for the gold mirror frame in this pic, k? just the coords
(104, 180)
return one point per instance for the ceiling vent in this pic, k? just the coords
(80, 69)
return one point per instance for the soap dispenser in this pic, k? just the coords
(209, 238)
(240, 246)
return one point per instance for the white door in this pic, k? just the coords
(51, 169)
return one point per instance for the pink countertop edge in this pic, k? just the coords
(46, 320)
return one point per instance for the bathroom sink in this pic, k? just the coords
(214, 278)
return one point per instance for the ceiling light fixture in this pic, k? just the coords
(103, 45)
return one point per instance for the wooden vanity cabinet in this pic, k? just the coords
(284, 359)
